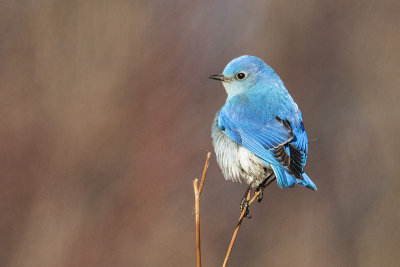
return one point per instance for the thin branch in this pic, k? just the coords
(197, 212)
(197, 192)
(240, 222)
(204, 172)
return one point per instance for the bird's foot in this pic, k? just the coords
(244, 204)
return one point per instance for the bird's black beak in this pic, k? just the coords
(218, 77)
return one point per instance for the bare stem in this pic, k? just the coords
(197, 212)
(197, 192)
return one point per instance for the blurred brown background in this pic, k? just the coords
(105, 121)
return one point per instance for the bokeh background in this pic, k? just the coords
(105, 121)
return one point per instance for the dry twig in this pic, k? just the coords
(197, 192)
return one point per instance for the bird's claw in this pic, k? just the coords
(244, 205)
(261, 187)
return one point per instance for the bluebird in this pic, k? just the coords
(259, 133)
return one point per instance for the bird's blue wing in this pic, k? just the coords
(253, 130)
(268, 135)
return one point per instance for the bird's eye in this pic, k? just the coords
(240, 76)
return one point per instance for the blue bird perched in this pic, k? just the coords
(259, 132)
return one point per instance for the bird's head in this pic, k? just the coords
(242, 74)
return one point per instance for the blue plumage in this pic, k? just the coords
(264, 123)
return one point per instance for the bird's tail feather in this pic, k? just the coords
(286, 180)
(306, 182)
